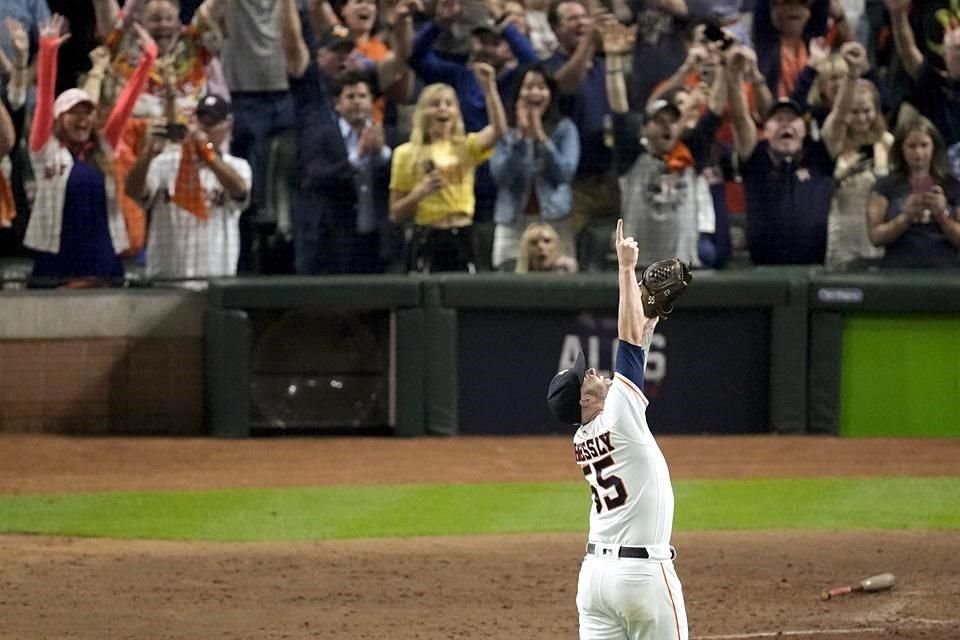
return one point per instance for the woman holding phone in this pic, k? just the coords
(432, 176)
(915, 212)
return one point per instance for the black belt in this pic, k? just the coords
(631, 552)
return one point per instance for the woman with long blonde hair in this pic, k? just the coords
(856, 136)
(540, 251)
(433, 174)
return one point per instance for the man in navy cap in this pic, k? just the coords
(193, 194)
(787, 178)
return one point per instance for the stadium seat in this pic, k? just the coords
(595, 249)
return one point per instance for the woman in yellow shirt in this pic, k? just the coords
(432, 175)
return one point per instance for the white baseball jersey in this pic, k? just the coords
(624, 597)
(179, 244)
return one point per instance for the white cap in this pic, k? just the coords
(69, 99)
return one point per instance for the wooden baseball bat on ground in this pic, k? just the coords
(879, 582)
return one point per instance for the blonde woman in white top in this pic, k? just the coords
(856, 136)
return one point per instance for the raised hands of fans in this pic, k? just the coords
(836, 12)
(147, 44)
(522, 112)
(696, 56)
(323, 13)
(99, 58)
(153, 140)
(19, 39)
(741, 60)
(447, 12)
(895, 6)
(431, 182)
(617, 38)
(395, 10)
(132, 11)
(935, 200)
(622, 11)
(359, 63)
(537, 133)
(942, 216)
(201, 142)
(951, 37)
(697, 97)
(855, 56)
(371, 141)
(751, 71)
(495, 8)
(599, 21)
(168, 75)
(818, 51)
(55, 27)
(914, 207)
(486, 76)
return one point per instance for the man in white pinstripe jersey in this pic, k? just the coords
(628, 588)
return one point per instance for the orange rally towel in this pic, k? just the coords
(124, 158)
(188, 194)
(793, 58)
(8, 210)
(678, 159)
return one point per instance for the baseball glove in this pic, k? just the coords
(663, 282)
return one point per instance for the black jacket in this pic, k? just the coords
(326, 171)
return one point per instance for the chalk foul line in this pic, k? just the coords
(789, 633)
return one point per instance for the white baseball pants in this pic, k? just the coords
(630, 599)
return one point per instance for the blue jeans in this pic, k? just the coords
(257, 119)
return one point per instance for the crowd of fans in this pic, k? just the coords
(462, 135)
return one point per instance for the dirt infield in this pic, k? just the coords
(737, 585)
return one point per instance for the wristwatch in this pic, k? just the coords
(208, 152)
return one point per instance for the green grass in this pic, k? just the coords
(418, 510)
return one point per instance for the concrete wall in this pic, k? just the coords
(102, 361)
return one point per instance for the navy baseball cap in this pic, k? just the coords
(659, 105)
(563, 396)
(214, 107)
(785, 103)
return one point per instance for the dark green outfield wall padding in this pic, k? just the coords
(440, 373)
(228, 372)
(335, 292)
(709, 290)
(410, 419)
(901, 376)
(826, 361)
(781, 292)
(229, 338)
(855, 354)
(894, 291)
(788, 359)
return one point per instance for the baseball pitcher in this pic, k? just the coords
(628, 587)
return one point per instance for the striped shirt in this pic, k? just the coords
(633, 497)
(182, 245)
